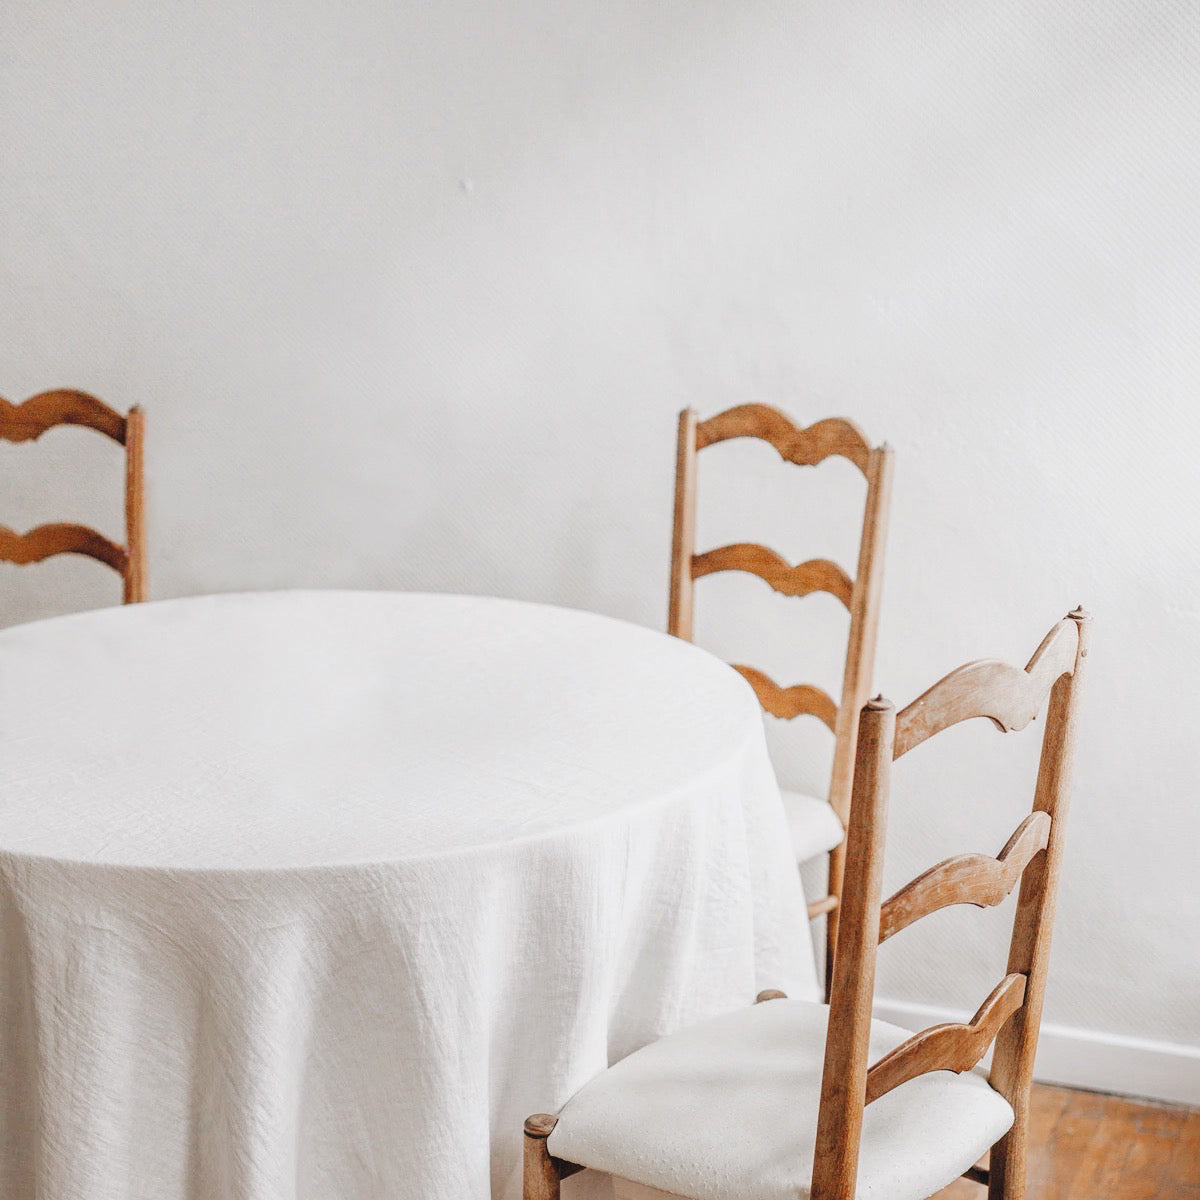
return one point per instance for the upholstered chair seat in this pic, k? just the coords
(727, 1110)
(814, 827)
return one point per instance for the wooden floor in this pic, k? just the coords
(1091, 1147)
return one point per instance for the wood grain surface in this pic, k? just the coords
(1085, 1146)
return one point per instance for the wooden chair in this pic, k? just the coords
(759, 1104)
(817, 825)
(28, 421)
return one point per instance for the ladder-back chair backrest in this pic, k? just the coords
(1011, 1014)
(27, 422)
(860, 595)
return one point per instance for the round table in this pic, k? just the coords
(319, 894)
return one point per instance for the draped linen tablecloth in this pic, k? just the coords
(318, 895)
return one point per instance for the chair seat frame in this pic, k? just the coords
(1010, 1016)
(861, 595)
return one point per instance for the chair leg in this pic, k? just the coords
(1006, 1171)
(833, 888)
(542, 1178)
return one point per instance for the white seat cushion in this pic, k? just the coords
(727, 1110)
(814, 826)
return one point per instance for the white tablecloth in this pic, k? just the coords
(317, 895)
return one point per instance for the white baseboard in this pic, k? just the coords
(1086, 1058)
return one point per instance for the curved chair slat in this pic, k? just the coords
(975, 879)
(804, 447)
(815, 575)
(1008, 697)
(29, 420)
(48, 540)
(948, 1047)
(801, 699)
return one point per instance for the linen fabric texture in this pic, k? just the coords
(318, 895)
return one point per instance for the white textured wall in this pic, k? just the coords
(412, 293)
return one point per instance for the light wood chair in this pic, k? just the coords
(817, 825)
(793, 1100)
(28, 421)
